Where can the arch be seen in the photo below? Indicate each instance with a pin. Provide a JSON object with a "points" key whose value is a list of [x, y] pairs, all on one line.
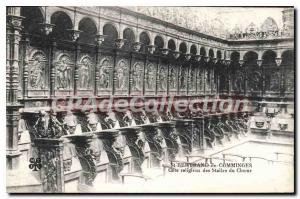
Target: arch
{"points": [[159, 41], [235, 56], [145, 40], [250, 58], [129, 36], [288, 57], [219, 54], [183, 47], [193, 49], [89, 30], [33, 17], [202, 51], [171, 44], [111, 34], [211, 53], [269, 57], [62, 22]]}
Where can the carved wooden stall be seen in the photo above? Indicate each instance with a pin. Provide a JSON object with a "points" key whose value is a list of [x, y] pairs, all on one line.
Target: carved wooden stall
{"points": [[72, 69]]}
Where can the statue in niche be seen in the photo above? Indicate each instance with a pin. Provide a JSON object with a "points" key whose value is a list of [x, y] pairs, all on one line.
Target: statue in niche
{"points": [[162, 78], [37, 71], [105, 74], [200, 83], [207, 79], [84, 73], [137, 77], [182, 79], [63, 73], [121, 75], [150, 77], [192, 79], [255, 81], [172, 79], [275, 81], [290, 81], [239, 81]]}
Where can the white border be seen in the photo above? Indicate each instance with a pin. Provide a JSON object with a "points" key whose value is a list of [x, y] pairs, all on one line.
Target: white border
{"points": [[3, 4]]}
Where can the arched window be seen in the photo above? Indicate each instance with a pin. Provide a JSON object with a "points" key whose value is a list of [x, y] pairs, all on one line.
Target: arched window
{"points": [[171, 45], [129, 37], [193, 49], [89, 30], [145, 40], [159, 43], [62, 23], [269, 58], [250, 58], [33, 18], [111, 35]]}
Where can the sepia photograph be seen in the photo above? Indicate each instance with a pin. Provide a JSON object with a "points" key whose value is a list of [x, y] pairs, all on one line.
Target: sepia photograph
{"points": [[150, 99]]}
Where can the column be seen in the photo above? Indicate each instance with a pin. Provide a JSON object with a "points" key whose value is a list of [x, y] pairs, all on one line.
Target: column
{"points": [[14, 28]]}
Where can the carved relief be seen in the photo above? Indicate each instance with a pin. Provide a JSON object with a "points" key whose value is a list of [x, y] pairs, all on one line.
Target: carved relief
{"points": [[207, 79], [85, 73], [192, 76], [150, 77], [49, 161], [290, 81], [64, 72], [162, 78], [105, 73], [255, 81], [182, 78], [121, 75], [200, 80], [173, 79], [238, 84], [275, 81], [37, 71], [137, 77]]}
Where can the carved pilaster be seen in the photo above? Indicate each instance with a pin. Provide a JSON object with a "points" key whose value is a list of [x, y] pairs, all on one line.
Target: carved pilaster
{"points": [[76, 74], [184, 128], [50, 151], [14, 27], [114, 154], [168, 132], [52, 68], [84, 153], [135, 145], [155, 143], [8, 58]]}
